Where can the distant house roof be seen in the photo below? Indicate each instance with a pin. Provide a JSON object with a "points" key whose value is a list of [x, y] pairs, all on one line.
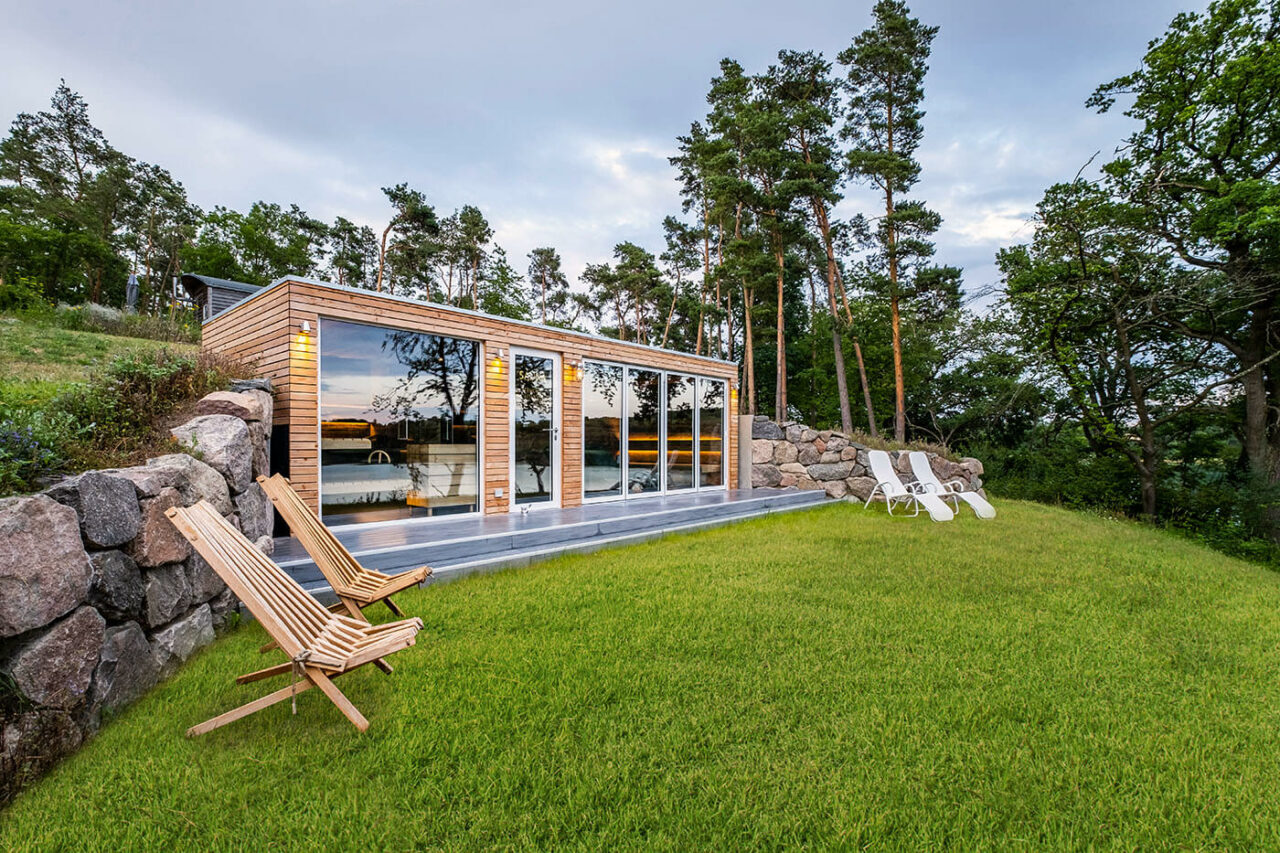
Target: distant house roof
{"points": [[191, 282]]}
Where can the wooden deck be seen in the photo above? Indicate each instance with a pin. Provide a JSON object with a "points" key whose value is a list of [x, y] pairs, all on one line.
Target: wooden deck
{"points": [[474, 543]]}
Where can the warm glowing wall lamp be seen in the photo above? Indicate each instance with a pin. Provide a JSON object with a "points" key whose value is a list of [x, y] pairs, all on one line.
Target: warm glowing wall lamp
{"points": [[495, 364]]}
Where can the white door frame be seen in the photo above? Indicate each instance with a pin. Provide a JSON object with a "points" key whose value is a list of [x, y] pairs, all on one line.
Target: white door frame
{"points": [[557, 487]]}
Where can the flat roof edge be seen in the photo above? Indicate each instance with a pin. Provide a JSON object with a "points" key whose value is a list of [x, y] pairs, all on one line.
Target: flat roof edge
{"points": [[342, 288]]}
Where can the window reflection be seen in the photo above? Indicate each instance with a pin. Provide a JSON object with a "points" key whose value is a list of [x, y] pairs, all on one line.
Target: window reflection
{"points": [[398, 417], [601, 430], [644, 466], [711, 397], [679, 456]]}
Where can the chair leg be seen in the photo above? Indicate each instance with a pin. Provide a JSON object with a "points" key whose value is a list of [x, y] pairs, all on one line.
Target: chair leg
{"points": [[250, 707], [353, 609], [336, 697], [391, 605], [266, 647], [278, 669]]}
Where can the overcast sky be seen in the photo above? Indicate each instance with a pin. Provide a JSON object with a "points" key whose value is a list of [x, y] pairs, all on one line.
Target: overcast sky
{"points": [[556, 119]]}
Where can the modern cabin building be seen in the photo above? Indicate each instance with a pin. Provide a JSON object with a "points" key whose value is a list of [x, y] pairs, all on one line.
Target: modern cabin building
{"points": [[392, 408]]}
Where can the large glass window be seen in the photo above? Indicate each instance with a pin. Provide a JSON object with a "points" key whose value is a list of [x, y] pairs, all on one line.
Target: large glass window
{"points": [[653, 431], [680, 431], [710, 432], [398, 418], [532, 421], [601, 430], [644, 410]]}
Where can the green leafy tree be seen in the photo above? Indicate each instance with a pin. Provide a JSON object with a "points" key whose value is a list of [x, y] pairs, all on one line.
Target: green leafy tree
{"points": [[415, 226], [355, 259], [549, 285], [257, 247], [886, 66], [1202, 167]]}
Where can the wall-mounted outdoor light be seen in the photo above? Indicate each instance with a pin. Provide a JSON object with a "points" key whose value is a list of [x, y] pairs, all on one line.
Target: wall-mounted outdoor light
{"points": [[495, 363], [573, 371], [304, 331]]}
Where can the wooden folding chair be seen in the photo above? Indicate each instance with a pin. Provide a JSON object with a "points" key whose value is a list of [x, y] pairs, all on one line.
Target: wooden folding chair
{"points": [[355, 586], [320, 644]]}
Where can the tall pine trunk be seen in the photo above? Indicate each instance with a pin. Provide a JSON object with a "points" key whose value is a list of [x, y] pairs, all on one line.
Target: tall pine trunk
{"points": [[780, 390]]}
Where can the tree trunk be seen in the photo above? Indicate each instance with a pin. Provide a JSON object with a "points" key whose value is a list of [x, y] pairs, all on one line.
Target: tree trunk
{"points": [[543, 282], [748, 353], [837, 345], [382, 254], [866, 390], [780, 391], [671, 312]]}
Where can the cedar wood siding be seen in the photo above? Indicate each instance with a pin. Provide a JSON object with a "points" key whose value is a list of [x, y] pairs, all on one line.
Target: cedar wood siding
{"points": [[265, 331]]}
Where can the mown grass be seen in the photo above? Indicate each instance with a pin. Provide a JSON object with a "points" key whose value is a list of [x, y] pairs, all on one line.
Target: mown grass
{"points": [[827, 679], [38, 360]]}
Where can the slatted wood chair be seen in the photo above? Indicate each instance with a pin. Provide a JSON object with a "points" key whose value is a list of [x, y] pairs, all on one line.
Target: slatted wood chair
{"points": [[355, 586], [320, 644]]}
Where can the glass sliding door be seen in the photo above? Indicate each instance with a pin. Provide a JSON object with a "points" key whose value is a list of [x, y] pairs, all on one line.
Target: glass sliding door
{"points": [[601, 430], [398, 423], [711, 421], [534, 430], [648, 432], [644, 438], [678, 457]]}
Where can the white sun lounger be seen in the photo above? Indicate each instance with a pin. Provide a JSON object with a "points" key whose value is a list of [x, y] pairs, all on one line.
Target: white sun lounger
{"points": [[952, 490], [895, 493]]}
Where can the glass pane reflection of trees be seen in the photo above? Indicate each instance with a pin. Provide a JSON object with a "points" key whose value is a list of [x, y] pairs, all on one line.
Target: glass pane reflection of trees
{"points": [[601, 430], [680, 426], [534, 412], [398, 417], [624, 407]]}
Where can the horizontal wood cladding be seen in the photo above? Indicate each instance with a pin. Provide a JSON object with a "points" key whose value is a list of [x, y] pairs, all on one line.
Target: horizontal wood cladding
{"points": [[370, 308], [266, 332]]}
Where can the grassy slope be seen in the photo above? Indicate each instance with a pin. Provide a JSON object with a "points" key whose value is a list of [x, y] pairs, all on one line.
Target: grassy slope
{"points": [[828, 678], [36, 360]]}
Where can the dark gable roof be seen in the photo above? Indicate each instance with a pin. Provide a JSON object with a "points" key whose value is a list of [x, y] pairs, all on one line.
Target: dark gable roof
{"points": [[192, 281]]}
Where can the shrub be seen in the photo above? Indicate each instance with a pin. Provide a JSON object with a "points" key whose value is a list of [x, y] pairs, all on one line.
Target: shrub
{"points": [[32, 446], [182, 327], [119, 417], [20, 294]]}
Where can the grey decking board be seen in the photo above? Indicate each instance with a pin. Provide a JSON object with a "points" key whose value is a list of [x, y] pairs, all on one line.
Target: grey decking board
{"points": [[505, 540]]}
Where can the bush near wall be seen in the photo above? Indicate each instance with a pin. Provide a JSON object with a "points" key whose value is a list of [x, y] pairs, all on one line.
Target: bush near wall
{"points": [[101, 597]]}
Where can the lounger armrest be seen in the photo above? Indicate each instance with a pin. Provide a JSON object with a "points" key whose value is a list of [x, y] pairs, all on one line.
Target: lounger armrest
{"points": [[954, 485]]}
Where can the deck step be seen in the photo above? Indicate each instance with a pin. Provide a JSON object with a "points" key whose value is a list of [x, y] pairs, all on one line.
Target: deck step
{"points": [[463, 555]]}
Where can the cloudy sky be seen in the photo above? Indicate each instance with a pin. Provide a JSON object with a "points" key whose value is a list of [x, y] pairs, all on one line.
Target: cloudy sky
{"points": [[556, 119]]}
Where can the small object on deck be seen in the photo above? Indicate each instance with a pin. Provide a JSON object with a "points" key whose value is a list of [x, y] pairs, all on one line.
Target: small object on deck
{"points": [[321, 645]]}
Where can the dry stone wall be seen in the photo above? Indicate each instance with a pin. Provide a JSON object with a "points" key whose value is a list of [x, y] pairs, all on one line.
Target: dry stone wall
{"points": [[101, 598], [792, 455]]}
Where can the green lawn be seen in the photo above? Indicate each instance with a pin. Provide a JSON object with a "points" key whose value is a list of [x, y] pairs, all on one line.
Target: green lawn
{"points": [[37, 360], [829, 678]]}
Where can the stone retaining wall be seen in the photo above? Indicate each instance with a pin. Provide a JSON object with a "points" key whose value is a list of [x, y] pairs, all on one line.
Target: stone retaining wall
{"points": [[793, 455], [101, 598]]}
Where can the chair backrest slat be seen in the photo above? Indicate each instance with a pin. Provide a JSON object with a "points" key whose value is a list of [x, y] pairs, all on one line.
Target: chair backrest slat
{"points": [[882, 470], [924, 471], [292, 617], [334, 561]]}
